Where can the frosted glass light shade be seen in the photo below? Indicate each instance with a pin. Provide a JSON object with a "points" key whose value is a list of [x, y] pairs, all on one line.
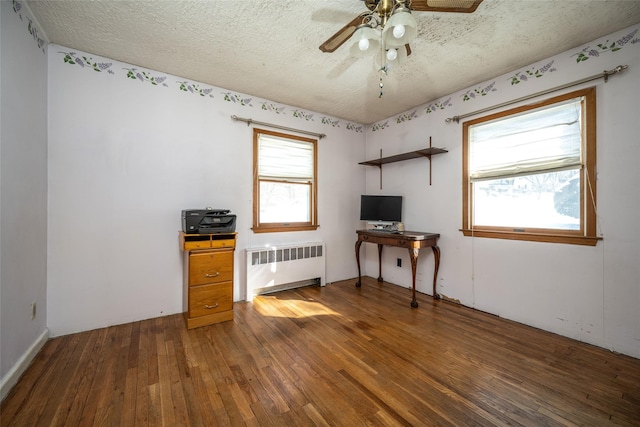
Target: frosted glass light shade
{"points": [[401, 17], [364, 42]]}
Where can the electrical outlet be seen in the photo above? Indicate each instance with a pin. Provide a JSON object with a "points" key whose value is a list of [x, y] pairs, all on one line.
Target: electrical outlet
{"points": [[399, 262], [33, 310]]}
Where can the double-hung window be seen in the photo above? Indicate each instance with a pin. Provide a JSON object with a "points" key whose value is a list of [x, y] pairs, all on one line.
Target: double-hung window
{"points": [[529, 173], [284, 182]]}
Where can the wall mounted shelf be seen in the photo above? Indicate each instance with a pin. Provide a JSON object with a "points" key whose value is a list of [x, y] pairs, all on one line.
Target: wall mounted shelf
{"points": [[425, 152]]}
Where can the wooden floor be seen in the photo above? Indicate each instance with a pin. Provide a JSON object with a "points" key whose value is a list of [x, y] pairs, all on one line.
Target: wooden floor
{"points": [[337, 356]]}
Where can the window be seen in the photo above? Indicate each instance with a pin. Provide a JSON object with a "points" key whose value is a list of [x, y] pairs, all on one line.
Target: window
{"points": [[529, 173], [284, 182]]}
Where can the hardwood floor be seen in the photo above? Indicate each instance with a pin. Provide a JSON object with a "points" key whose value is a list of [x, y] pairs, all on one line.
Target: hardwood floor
{"points": [[337, 356]]}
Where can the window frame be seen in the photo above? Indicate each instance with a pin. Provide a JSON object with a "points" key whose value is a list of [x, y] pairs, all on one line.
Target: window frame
{"points": [[586, 235], [272, 227]]}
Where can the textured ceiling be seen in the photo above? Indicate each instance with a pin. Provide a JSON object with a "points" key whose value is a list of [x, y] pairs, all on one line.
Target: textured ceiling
{"points": [[269, 48]]}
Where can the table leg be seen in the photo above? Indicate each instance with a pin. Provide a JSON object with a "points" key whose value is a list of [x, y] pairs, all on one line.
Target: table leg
{"points": [[379, 262], [358, 244], [413, 254], [436, 257]]}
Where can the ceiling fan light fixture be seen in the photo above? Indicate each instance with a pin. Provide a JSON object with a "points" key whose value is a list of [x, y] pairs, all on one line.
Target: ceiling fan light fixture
{"points": [[365, 41], [400, 29]]}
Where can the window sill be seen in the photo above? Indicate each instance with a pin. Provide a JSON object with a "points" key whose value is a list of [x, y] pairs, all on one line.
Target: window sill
{"points": [[533, 237], [281, 228]]}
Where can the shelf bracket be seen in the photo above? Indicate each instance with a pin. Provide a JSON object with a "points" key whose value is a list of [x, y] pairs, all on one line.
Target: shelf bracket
{"points": [[429, 161], [428, 156], [380, 168]]}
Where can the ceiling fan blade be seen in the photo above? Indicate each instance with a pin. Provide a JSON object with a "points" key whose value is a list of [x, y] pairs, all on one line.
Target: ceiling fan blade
{"points": [[336, 40], [460, 6]]}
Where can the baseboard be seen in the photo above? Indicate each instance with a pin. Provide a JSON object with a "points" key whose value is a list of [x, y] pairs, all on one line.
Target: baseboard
{"points": [[16, 371], [287, 286]]}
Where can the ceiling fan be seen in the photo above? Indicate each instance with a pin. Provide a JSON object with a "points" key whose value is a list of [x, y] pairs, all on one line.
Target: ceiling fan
{"points": [[383, 12]]}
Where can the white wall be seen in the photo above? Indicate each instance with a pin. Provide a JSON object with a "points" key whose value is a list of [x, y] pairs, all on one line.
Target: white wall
{"points": [[126, 156], [23, 192], [588, 293]]}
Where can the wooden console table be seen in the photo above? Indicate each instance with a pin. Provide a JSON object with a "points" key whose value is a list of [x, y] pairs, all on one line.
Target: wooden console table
{"points": [[412, 240]]}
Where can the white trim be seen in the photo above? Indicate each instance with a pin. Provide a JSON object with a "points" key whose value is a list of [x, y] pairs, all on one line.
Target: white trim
{"points": [[16, 371]]}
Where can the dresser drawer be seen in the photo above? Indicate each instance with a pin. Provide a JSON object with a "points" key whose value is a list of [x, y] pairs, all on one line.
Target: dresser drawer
{"points": [[209, 243], [210, 299], [198, 244], [210, 267]]}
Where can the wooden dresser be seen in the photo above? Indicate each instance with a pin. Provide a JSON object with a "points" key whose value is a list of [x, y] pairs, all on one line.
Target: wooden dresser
{"points": [[208, 278]]}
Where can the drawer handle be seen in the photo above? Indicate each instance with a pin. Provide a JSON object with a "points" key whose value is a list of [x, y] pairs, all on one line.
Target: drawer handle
{"points": [[209, 307], [212, 275]]}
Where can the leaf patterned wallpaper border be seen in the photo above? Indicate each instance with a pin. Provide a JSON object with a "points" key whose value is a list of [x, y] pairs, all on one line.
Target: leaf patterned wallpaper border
{"points": [[600, 49], [28, 20], [198, 89], [523, 76], [102, 65]]}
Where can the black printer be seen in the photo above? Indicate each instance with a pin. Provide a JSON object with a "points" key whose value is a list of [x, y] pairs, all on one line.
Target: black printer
{"points": [[208, 221]]}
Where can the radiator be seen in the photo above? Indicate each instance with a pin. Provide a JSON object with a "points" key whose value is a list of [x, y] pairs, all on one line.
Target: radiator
{"points": [[276, 268]]}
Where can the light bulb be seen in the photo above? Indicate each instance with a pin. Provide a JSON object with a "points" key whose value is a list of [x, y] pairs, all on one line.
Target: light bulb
{"points": [[363, 44], [392, 54], [398, 31]]}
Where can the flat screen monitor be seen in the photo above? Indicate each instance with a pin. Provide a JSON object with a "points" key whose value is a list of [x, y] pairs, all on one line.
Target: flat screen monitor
{"points": [[381, 209]]}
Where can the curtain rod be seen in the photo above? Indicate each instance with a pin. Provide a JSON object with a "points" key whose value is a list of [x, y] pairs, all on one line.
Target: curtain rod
{"points": [[250, 122], [604, 75]]}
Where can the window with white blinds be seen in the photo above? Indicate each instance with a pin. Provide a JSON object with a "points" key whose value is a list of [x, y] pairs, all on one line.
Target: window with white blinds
{"points": [[285, 189], [285, 159], [529, 172], [543, 140]]}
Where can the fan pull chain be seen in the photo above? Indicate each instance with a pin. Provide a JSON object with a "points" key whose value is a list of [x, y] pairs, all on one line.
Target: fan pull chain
{"points": [[383, 72]]}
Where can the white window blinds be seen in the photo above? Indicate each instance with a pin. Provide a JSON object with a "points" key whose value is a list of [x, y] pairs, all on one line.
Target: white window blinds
{"points": [[285, 159], [543, 140]]}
